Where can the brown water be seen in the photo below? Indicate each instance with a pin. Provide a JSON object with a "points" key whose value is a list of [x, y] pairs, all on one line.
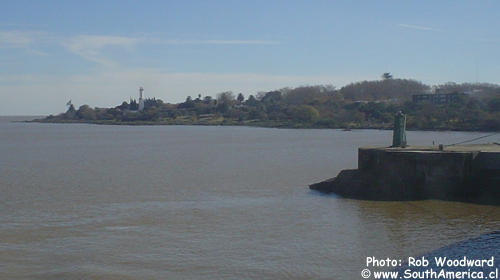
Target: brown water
{"points": [[181, 202]]}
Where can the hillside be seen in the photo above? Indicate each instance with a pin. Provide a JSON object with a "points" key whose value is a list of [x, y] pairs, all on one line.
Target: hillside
{"points": [[366, 104]]}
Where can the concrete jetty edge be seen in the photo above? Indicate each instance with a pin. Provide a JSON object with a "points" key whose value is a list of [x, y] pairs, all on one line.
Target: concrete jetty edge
{"points": [[463, 173]]}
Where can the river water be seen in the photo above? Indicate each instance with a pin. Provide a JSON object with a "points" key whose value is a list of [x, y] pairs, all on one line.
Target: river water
{"points": [[82, 201]]}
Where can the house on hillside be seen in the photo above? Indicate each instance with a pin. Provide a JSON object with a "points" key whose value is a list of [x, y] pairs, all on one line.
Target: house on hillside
{"points": [[436, 98]]}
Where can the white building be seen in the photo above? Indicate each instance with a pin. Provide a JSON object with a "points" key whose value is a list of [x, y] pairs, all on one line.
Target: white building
{"points": [[141, 99]]}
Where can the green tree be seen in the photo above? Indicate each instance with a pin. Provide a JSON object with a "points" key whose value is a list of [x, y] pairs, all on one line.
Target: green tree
{"points": [[189, 103], [207, 99], [386, 76], [86, 113], [494, 105], [71, 112], [398, 90], [123, 106], [133, 105], [240, 97], [252, 101], [304, 113], [224, 101]]}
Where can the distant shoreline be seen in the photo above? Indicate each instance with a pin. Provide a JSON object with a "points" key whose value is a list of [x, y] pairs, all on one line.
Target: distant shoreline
{"points": [[262, 124], [363, 105]]}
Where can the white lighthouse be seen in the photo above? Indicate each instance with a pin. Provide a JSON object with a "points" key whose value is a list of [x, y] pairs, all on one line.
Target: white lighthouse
{"points": [[141, 99]]}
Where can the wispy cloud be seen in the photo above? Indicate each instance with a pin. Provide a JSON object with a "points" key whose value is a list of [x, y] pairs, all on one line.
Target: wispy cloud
{"points": [[37, 52], [419, 27], [90, 46], [26, 40], [488, 40], [221, 42], [17, 38]]}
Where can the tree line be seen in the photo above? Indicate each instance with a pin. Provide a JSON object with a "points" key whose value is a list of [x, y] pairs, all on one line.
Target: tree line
{"points": [[366, 104]]}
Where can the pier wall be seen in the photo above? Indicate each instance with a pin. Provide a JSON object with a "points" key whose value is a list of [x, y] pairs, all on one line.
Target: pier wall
{"points": [[410, 174], [416, 174]]}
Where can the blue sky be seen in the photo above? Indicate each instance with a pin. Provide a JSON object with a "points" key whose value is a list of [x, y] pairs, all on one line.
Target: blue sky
{"points": [[100, 52]]}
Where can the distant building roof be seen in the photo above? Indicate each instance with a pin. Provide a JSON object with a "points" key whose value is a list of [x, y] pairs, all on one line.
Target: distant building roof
{"points": [[436, 98]]}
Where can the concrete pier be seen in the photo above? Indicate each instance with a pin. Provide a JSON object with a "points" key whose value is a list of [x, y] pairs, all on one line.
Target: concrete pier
{"points": [[465, 173]]}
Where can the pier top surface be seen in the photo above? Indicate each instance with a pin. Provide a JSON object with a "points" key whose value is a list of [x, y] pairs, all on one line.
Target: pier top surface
{"points": [[493, 147]]}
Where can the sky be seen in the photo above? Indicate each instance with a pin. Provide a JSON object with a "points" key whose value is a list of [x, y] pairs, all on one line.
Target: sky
{"points": [[100, 52]]}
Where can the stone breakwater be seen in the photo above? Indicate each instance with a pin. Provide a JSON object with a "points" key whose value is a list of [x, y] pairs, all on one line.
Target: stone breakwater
{"points": [[465, 173]]}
